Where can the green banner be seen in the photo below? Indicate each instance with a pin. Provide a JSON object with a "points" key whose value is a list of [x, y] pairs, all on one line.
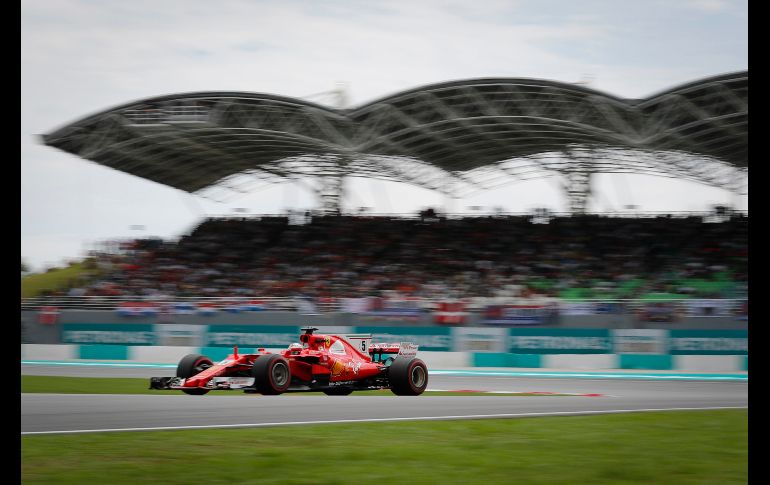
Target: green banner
{"points": [[109, 333], [272, 336], [709, 342], [559, 341], [428, 338]]}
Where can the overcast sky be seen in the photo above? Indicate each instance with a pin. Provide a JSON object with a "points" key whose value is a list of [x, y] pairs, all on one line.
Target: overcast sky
{"points": [[79, 57]]}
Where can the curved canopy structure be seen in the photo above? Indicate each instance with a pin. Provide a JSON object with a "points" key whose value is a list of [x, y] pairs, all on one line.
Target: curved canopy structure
{"points": [[454, 136]]}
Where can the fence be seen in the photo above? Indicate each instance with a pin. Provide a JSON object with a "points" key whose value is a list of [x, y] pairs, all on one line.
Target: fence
{"points": [[495, 310]]}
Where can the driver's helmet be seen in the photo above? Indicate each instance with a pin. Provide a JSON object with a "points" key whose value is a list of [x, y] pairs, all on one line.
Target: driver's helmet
{"points": [[295, 346]]}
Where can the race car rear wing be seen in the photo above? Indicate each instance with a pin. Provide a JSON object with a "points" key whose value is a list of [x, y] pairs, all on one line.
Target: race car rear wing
{"points": [[403, 349], [363, 343]]}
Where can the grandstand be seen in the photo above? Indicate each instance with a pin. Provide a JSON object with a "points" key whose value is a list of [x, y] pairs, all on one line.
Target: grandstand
{"points": [[457, 137]]}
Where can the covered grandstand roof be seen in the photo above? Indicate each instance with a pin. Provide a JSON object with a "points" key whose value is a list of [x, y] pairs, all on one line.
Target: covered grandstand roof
{"points": [[458, 135]]}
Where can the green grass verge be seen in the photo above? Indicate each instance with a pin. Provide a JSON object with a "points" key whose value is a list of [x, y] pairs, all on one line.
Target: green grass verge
{"points": [[132, 385], [693, 447], [90, 385], [56, 279]]}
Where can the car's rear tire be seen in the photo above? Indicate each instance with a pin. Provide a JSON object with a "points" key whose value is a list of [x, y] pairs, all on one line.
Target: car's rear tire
{"points": [[340, 391], [408, 377], [272, 374], [190, 365]]}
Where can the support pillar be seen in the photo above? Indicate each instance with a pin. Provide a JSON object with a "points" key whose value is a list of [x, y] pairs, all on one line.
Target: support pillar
{"points": [[578, 187], [577, 177], [331, 193]]}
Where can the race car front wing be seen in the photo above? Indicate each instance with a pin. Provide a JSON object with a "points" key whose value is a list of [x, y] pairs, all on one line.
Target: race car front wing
{"points": [[216, 383]]}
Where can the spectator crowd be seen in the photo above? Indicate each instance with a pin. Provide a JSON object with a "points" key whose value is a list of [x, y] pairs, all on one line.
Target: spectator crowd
{"points": [[434, 257]]}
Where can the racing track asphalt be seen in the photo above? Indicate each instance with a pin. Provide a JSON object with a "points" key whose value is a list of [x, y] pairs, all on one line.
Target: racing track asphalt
{"points": [[41, 413]]}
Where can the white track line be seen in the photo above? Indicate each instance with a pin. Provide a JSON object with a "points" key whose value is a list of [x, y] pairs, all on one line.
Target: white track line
{"points": [[377, 420]]}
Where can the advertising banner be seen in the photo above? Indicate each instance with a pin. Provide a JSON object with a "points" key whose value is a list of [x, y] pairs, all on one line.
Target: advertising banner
{"points": [[709, 308], [606, 307], [137, 309], [561, 341], [182, 335], [450, 313], [401, 308], [354, 305], [519, 314], [215, 308], [660, 311], [109, 333], [709, 342], [589, 308], [480, 339], [742, 310], [640, 341], [428, 338], [577, 308]]}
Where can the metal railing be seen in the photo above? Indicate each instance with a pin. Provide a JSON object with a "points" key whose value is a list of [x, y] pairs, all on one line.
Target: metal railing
{"points": [[333, 305], [626, 214], [115, 302]]}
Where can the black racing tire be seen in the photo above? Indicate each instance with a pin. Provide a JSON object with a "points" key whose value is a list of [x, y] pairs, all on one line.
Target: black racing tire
{"points": [[272, 374], [338, 391], [190, 365], [408, 377]]}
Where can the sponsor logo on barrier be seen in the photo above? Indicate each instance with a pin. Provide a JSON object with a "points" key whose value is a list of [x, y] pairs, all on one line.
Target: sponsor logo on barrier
{"points": [[560, 343], [251, 339], [106, 337], [699, 344], [564, 341], [480, 339], [640, 341], [503, 340], [180, 334], [106, 333], [709, 342]]}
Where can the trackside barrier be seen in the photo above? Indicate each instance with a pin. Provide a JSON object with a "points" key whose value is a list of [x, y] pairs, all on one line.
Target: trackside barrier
{"points": [[431, 338], [440, 347], [126, 354], [586, 341]]}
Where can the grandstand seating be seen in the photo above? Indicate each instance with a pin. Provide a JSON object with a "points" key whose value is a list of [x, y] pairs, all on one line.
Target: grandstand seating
{"points": [[345, 256]]}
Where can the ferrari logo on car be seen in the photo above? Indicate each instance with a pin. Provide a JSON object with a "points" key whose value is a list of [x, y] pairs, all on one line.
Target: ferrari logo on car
{"points": [[337, 368]]}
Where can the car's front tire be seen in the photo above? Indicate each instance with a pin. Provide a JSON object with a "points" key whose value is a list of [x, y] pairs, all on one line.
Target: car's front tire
{"points": [[272, 374], [190, 365], [408, 377]]}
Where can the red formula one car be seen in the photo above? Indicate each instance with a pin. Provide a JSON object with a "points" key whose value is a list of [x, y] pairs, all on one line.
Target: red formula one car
{"points": [[335, 365]]}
